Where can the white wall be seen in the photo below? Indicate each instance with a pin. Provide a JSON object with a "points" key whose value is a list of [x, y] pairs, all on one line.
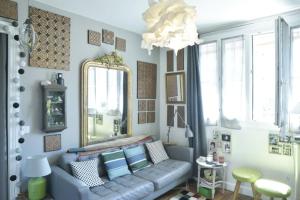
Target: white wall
{"points": [[249, 145], [31, 99]]}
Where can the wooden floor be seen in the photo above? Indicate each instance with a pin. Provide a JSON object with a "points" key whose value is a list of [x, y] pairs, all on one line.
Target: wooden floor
{"points": [[192, 187]]}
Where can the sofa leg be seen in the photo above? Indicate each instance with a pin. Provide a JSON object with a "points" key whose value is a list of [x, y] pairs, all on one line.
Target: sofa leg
{"points": [[187, 185]]}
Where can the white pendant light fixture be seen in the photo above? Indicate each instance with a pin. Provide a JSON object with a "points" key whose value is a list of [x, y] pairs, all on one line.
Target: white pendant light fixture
{"points": [[28, 37], [170, 23]]}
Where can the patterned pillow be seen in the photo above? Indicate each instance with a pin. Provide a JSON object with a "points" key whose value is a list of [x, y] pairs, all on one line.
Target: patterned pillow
{"points": [[136, 158], [115, 164], [87, 171], [157, 151]]}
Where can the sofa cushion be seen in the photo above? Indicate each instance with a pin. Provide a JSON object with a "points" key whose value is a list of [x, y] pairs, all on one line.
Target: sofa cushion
{"points": [[106, 194], [129, 187], [157, 151], [115, 164], [136, 158], [165, 172], [87, 171]]}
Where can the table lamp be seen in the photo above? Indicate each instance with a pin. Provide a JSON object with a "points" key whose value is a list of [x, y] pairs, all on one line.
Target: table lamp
{"points": [[36, 167], [188, 132]]}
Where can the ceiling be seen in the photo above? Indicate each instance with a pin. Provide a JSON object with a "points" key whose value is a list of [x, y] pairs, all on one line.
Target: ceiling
{"points": [[127, 14]]}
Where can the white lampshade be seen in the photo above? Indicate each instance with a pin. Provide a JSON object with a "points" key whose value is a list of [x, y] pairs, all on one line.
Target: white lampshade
{"points": [[37, 166], [188, 132]]}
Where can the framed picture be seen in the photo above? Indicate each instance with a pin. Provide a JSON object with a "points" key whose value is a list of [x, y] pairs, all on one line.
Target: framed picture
{"points": [[52, 143]]}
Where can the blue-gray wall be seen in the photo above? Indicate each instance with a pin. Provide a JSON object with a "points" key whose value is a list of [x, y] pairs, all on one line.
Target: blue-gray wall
{"points": [[31, 99]]}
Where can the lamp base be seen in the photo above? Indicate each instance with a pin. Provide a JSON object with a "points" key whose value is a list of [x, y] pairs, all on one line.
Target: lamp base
{"points": [[37, 188]]}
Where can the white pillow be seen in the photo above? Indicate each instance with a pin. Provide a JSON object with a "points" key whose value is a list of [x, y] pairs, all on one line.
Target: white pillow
{"points": [[157, 151], [87, 171]]}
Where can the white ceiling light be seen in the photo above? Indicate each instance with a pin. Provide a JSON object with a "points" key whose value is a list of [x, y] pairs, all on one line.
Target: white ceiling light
{"points": [[170, 23]]}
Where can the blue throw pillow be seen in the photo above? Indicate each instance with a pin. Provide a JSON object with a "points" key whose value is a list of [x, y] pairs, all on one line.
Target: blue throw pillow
{"points": [[115, 164], [136, 158]]}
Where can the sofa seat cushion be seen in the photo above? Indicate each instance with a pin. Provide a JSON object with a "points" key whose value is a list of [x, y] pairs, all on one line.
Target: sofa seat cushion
{"points": [[129, 187], [165, 172], [106, 194]]}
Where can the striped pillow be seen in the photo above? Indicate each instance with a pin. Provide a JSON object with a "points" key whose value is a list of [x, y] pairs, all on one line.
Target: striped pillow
{"points": [[115, 164], [157, 151], [136, 158]]}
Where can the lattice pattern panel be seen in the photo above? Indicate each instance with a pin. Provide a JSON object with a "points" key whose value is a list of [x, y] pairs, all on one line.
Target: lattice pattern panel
{"points": [[94, 38], [146, 80], [53, 48], [52, 142], [9, 9], [120, 44]]}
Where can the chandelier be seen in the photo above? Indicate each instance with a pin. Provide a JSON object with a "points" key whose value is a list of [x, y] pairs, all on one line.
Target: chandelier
{"points": [[171, 24]]}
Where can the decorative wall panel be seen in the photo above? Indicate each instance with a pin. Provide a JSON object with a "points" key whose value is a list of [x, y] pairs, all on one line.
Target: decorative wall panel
{"points": [[53, 48], [94, 38], [170, 61], [142, 105], [142, 117], [151, 105], [180, 122], [120, 44], [52, 142], [180, 60], [108, 37], [9, 9], [150, 117], [146, 80], [170, 115]]}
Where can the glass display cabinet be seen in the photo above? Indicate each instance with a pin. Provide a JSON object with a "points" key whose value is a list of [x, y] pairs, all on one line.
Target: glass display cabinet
{"points": [[54, 104]]}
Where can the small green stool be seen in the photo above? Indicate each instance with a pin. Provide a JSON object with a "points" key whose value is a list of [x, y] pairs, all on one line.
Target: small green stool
{"points": [[247, 175], [272, 189]]}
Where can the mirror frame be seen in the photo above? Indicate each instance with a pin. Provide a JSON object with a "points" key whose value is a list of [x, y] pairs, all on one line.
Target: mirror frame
{"points": [[184, 90], [84, 100]]}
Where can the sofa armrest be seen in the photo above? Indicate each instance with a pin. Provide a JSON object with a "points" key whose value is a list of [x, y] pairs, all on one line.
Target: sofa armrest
{"points": [[64, 186], [180, 153]]}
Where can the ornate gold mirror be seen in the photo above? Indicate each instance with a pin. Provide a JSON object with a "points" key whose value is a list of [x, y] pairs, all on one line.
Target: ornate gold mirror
{"points": [[106, 97], [175, 87]]}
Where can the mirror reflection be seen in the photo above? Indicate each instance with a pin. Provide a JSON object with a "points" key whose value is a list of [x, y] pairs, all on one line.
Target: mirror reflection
{"points": [[175, 87], [107, 103]]}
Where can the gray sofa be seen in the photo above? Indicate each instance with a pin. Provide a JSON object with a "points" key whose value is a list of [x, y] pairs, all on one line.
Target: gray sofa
{"points": [[146, 184]]}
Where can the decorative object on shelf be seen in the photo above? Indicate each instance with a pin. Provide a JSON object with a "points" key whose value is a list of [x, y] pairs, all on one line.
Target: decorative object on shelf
{"points": [[9, 9], [54, 104], [60, 79], [120, 44], [94, 38], [170, 24], [146, 80], [51, 29], [36, 167], [52, 142], [226, 142], [142, 117], [175, 88], [280, 145], [188, 132], [108, 37], [170, 61], [180, 60], [110, 59]]}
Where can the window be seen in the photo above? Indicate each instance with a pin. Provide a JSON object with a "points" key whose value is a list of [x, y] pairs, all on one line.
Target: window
{"points": [[233, 79], [264, 77], [209, 82], [295, 80]]}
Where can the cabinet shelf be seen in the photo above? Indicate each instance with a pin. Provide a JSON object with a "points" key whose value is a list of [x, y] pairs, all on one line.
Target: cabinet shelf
{"points": [[54, 103]]}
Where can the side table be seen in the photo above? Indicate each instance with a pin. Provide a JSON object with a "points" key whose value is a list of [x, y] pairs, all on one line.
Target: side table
{"points": [[214, 166]]}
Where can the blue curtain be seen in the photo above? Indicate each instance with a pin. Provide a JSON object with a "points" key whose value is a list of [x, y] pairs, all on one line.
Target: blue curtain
{"points": [[194, 103]]}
